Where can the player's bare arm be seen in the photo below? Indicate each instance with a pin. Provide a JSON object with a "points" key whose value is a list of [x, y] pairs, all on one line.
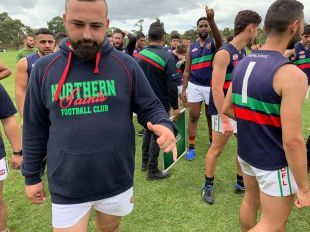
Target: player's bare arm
{"points": [[291, 83], [186, 73], [4, 71], [228, 109], [220, 64], [21, 83], [11, 130], [215, 31]]}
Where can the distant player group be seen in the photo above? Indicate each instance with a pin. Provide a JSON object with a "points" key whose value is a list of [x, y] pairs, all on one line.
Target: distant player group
{"points": [[255, 95]]}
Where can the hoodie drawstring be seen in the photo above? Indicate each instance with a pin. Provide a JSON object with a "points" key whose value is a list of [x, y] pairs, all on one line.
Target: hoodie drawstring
{"points": [[63, 77], [96, 70]]}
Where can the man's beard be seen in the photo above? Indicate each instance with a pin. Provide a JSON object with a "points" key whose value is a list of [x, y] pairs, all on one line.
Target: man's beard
{"points": [[86, 49], [118, 46], [203, 36], [294, 40]]}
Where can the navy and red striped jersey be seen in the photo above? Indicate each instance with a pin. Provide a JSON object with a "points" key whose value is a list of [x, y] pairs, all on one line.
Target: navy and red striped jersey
{"points": [[235, 57], [201, 57], [159, 68], [257, 110], [180, 68], [302, 59]]}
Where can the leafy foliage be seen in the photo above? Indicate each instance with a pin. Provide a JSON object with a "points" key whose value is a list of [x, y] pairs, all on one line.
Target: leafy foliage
{"points": [[56, 25]]}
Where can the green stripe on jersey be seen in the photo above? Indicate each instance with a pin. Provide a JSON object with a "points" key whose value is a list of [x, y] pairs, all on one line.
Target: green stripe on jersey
{"points": [[280, 183], [202, 59], [228, 77], [254, 104], [156, 58], [303, 61]]}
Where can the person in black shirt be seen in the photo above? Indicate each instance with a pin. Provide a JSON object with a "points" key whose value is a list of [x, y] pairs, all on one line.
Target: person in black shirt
{"points": [[160, 70]]}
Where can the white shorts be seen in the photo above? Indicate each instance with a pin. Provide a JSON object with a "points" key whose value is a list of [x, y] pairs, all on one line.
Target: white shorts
{"points": [[217, 124], [277, 183], [197, 93], [180, 89], [4, 170], [64, 216]]}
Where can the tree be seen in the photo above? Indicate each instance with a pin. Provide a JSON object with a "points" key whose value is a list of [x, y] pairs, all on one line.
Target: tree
{"points": [[29, 30], [261, 36], [227, 32], [11, 30], [139, 26], [191, 34], [3, 16], [56, 25]]}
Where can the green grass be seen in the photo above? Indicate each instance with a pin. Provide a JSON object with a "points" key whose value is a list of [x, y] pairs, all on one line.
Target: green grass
{"points": [[174, 204]]}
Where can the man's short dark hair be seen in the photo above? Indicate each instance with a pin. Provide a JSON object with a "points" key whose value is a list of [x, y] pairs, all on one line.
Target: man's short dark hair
{"points": [[174, 35], [306, 30], [280, 14], [156, 32], [230, 38], [88, 1], [244, 18], [43, 31], [59, 36], [118, 31], [140, 35], [200, 19]]}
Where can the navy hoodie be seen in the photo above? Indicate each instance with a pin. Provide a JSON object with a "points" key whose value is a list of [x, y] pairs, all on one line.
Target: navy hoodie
{"points": [[79, 113]]}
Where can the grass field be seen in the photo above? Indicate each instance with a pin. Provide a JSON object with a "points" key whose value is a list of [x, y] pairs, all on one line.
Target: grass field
{"points": [[174, 204]]}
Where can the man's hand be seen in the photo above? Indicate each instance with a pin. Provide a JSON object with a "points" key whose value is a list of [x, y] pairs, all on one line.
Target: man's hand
{"points": [[125, 32], [175, 154], [210, 14], [303, 199], [16, 162], [227, 127], [36, 193], [166, 139], [290, 54]]}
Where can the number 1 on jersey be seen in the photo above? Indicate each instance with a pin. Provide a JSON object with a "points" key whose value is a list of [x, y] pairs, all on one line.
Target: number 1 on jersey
{"points": [[245, 82]]}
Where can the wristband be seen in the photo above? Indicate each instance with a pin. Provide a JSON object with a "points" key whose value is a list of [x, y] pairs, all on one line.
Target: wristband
{"points": [[19, 153]]}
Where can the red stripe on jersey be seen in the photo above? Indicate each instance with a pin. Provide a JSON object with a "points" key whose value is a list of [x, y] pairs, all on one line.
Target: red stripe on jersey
{"points": [[201, 65], [139, 56], [256, 117], [304, 66], [226, 85]]}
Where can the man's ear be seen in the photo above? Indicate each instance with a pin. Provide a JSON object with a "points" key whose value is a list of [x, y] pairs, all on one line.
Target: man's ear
{"points": [[294, 27]]}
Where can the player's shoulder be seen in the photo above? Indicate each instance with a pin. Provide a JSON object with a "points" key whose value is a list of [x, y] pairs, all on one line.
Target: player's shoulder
{"points": [[22, 64], [289, 69], [221, 56], [290, 73]]}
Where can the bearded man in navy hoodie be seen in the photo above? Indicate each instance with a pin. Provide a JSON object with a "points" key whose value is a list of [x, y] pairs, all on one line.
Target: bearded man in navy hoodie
{"points": [[78, 111]]}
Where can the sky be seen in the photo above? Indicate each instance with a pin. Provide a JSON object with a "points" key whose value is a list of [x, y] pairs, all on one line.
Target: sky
{"points": [[179, 15]]}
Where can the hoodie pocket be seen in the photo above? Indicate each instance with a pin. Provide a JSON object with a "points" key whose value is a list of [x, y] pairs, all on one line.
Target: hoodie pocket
{"points": [[92, 172]]}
